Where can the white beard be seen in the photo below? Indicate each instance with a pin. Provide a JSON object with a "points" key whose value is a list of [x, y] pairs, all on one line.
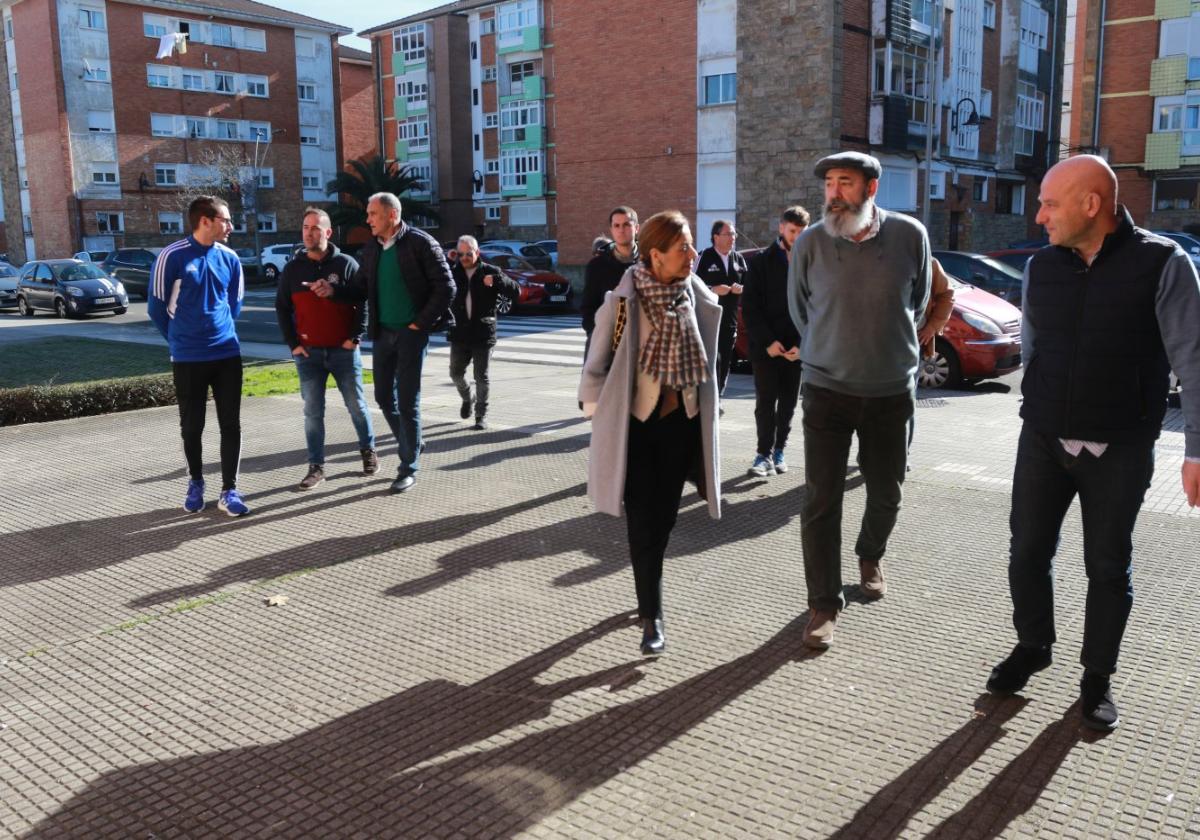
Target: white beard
{"points": [[848, 224]]}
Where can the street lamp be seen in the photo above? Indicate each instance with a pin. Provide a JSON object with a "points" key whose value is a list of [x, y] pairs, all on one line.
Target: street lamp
{"points": [[972, 121], [258, 137]]}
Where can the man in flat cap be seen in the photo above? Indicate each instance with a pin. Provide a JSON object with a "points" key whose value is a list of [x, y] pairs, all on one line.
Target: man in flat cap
{"points": [[858, 283]]}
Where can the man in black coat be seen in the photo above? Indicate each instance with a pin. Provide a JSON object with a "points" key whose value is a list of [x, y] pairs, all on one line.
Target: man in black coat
{"points": [[774, 344], [607, 268], [478, 289], [722, 268], [408, 290]]}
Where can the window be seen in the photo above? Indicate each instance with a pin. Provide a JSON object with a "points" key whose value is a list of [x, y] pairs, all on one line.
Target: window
{"points": [[223, 82], [904, 71], [487, 26], [304, 46], [515, 117], [474, 50], [13, 84], [162, 125], [104, 174], [491, 120], [254, 39], [197, 127], [259, 131], [519, 72], [489, 73], [8, 32], [516, 166], [475, 96], [1177, 194], [989, 13], [266, 179], [937, 186], [416, 94], [193, 81], [266, 223], [307, 91], [100, 121], [256, 85], [922, 15], [153, 30], [1193, 69], [719, 89], [107, 222], [513, 17], [1031, 104], [979, 190], [310, 179], [158, 76], [409, 41], [492, 214], [91, 19], [165, 176], [1010, 197], [985, 103], [491, 167], [239, 221], [477, 146], [96, 71], [227, 130], [415, 132], [221, 35], [170, 222], [310, 135], [1035, 24], [897, 189], [1170, 116]]}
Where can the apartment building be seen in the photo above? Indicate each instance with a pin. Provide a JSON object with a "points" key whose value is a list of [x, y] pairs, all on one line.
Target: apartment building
{"points": [[105, 139], [360, 125], [1136, 101]]}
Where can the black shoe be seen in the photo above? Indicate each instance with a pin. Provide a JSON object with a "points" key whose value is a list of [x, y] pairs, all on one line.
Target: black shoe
{"points": [[403, 483], [1097, 704], [465, 411], [480, 424], [1010, 676], [654, 640]]}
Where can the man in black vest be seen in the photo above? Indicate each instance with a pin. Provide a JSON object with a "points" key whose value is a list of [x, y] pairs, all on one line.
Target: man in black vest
{"points": [[1109, 308], [722, 269], [478, 287]]}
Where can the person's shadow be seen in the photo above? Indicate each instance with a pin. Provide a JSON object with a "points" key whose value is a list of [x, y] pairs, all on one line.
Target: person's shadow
{"points": [[415, 764]]}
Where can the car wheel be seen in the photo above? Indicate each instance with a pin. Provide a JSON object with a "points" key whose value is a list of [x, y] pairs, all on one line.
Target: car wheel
{"points": [[942, 369], [504, 305], [270, 272], [24, 308], [60, 308], [120, 310]]}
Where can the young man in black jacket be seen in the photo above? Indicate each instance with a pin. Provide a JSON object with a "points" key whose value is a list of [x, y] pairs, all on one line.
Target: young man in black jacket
{"points": [[478, 289], [607, 268], [723, 270], [323, 335], [774, 343], [408, 290]]}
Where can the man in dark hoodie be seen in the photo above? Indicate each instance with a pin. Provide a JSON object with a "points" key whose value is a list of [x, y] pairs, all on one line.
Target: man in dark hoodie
{"points": [[478, 288], [324, 336], [607, 268]]}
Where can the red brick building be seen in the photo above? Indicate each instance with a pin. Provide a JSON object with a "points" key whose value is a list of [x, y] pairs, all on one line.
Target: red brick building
{"points": [[109, 141], [360, 123]]}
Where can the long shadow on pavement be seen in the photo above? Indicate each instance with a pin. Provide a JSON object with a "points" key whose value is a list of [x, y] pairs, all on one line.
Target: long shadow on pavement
{"points": [[396, 768]]}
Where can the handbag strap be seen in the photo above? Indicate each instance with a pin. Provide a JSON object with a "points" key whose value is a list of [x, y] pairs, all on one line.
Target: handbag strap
{"points": [[619, 325]]}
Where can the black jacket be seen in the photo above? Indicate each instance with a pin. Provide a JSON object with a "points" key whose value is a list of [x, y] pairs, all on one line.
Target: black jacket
{"points": [[426, 276], [480, 327], [1098, 370], [600, 277], [711, 269], [765, 300], [295, 303]]}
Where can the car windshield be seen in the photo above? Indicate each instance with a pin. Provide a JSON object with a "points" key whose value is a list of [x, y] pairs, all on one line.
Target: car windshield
{"points": [[533, 251], [7, 271], [82, 271], [1001, 267]]}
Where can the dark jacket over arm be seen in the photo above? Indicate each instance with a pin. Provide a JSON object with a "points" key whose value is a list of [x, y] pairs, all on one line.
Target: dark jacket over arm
{"points": [[480, 326], [600, 277], [765, 300]]}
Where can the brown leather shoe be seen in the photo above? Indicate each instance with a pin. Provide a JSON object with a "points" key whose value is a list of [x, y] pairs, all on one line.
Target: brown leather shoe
{"points": [[818, 633], [872, 585]]}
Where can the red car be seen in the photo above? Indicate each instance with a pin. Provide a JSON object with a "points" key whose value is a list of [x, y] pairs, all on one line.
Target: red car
{"points": [[981, 341], [538, 288]]}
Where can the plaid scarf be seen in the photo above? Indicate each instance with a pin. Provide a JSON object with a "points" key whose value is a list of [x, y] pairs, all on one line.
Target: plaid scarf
{"points": [[673, 353]]}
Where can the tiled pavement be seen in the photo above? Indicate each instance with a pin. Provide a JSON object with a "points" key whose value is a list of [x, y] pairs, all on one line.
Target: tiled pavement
{"points": [[458, 662]]}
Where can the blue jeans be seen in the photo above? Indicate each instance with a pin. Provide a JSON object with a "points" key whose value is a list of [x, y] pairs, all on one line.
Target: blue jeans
{"points": [[399, 356], [1110, 489], [314, 371]]}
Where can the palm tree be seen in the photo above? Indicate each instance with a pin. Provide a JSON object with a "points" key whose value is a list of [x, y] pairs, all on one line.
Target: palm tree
{"points": [[361, 179]]}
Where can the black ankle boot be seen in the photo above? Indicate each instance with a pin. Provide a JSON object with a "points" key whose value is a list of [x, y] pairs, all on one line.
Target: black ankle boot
{"points": [[1097, 704], [654, 640]]}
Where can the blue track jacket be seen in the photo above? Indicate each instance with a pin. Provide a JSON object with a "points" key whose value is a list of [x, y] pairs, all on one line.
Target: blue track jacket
{"points": [[195, 297]]}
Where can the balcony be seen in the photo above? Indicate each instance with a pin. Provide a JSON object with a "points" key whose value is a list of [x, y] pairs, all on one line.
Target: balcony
{"points": [[534, 187], [402, 109], [1168, 76], [531, 87], [400, 67], [528, 39], [1163, 150]]}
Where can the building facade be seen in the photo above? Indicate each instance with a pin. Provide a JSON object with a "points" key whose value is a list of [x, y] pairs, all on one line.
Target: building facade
{"points": [[107, 142], [1136, 101], [360, 126]]}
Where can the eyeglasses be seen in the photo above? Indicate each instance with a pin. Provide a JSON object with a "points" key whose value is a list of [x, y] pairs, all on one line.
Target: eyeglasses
{"points": [[222, 219]]}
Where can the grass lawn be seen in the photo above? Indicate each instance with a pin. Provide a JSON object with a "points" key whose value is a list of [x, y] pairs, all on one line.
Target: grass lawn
{"points": [[66, 360]]}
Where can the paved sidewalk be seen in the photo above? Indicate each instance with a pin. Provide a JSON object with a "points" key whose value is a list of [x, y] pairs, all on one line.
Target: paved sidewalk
{"points": [[460, 661]]}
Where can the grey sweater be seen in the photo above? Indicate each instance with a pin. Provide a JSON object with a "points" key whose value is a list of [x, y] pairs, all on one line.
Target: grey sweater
{"points": [[857, 306]]}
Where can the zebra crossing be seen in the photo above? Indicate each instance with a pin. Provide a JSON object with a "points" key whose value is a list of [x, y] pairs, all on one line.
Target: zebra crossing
{"points": [[539, 340]]}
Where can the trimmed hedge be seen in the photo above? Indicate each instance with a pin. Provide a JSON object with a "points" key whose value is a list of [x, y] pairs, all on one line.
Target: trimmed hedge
{"points": [[43, 403]]}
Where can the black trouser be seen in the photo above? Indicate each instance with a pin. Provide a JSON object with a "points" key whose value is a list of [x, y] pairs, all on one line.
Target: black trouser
{"points": [[830, 420], [661, 453], [776, 387], [725, 339], [192, 381], [478, 356]]}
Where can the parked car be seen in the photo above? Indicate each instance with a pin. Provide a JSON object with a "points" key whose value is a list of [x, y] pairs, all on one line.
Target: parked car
{"points": [[8, 286], [1015, 257], [69, 289], [535, 255], [1189, 243], [538, 288], [132, 266], [981, 341], [550, 246], [275, 257], [991, 275], [248, 259], [91, 256]]}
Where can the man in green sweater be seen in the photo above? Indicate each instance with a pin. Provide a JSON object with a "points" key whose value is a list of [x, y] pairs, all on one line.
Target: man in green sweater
{"points": [[857, 288]]}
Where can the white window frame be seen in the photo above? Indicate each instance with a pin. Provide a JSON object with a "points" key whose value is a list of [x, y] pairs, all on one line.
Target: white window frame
{"points": [[266, 178], [489, 73], [1030, 116], [517, 116], [897, 188], [1035, 26], [985, 103], [160, 131], [409, 41], [937, 185], [158, 76], [983, 192], [414, 131], [309, 88], [305, 46], [487, 26], [492, 213], [224, 82], [104, 221], [151, 29], [195, 128], [989, 14], [491, 166], [258, 131], [310, 179], [97, 70], [214, 28], [170, 222], [310, 135], [253, 82], [904, 71], [266, 223], [416, 94], [256, 41], [1018, 200], [491, 120], [191, 80], [105, 174], [103, 122], [516, 16], [224, 126], [422, 172], [726, 89], [516, 165], [166, 175], [91, 19]]}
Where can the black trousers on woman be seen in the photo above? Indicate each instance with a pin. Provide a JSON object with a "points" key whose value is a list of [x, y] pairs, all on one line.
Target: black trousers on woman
{"points": [[661, 453]]}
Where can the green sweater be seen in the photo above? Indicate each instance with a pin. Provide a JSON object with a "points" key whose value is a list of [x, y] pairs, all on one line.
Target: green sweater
{"points": [[857, 306], [396, 309]]}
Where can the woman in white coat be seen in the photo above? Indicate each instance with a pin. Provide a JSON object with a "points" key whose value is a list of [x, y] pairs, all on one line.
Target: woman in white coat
{"points": [[649, 385]]}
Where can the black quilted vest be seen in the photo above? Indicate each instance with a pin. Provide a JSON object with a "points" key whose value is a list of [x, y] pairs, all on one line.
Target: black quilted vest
{"points": [[1099, 369]]}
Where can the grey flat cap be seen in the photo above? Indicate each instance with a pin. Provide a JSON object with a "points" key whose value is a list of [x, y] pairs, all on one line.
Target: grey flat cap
{"points": [[868, 165]]}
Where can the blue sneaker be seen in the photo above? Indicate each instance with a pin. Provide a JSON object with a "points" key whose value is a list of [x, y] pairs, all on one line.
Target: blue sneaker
{"points": [[194, 503], [777, 460], [231, 502], [762, 466]]}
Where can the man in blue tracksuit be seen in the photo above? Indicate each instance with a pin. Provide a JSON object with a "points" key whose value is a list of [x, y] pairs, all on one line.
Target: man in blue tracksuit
{"points": [[195, 296]]}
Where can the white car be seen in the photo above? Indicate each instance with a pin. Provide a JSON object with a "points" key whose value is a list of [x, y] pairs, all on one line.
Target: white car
{"points": [[275, 257]]}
